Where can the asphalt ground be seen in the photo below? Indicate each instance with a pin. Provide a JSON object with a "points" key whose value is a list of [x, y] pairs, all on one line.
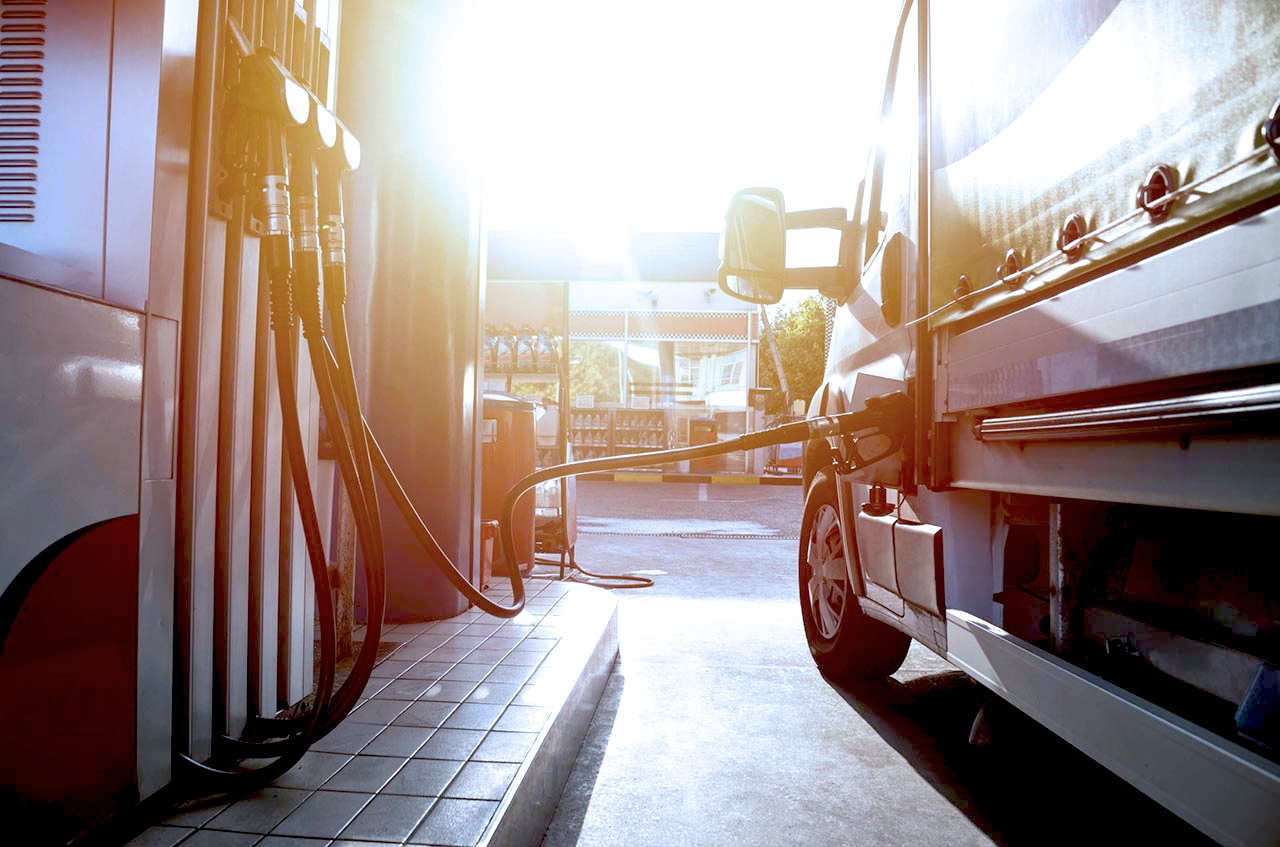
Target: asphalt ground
{"points": [[717, 729]]}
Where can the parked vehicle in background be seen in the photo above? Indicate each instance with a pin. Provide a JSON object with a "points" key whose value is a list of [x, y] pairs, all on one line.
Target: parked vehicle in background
{"points": [[1065, 252]]}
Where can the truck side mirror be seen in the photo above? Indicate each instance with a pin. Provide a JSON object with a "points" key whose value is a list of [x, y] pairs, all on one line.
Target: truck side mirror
{"points": [[753, 246], [753, 249]]}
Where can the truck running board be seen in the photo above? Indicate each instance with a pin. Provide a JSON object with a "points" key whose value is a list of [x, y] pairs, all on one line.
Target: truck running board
{"points": [[1229, 793]]}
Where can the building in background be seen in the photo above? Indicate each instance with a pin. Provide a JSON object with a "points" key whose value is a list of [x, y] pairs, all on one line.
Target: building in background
{"points": [[652, 341]]}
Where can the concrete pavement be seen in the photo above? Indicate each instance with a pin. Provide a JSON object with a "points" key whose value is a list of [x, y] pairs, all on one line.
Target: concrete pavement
{"points": [[716, 729]]}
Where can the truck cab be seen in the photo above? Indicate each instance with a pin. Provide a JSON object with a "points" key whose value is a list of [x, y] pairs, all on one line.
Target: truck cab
{"points": [[1063, 252]]}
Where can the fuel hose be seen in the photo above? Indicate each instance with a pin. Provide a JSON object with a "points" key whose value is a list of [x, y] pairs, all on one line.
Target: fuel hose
{"points": [[888, 415]]}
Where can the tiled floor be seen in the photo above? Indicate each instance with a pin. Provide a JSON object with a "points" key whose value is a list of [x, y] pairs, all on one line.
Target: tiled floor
{"points": [[439, 748]]}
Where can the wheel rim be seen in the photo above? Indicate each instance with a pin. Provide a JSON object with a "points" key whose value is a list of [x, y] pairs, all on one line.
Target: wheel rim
{"points": [[828, 579]]}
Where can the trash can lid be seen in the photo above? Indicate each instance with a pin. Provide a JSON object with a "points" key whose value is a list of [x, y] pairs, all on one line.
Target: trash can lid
{"points": [[499, 401]]}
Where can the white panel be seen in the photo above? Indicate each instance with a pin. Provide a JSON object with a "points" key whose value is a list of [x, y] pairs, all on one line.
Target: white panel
{"points": [[70, 424], [1203, 306], [201, 488], [1214, 472], [1224, 790], [155, 635], [160, 398]]}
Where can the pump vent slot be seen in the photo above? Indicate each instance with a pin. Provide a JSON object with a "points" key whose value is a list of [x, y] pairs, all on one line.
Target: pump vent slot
{"points": [[23, 31]]}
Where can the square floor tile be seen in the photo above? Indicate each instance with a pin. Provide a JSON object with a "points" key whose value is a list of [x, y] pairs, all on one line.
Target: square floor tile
{"points": [[398, 741], [447, 628], [451, 691], [294, 841], [504, 747], [413, 651], [161, 836], [509, 673], [390, 669], [524, 658], [497, 693], [365, 774], [428, 670], [381, 712], [259, 811], [484, 657], [523, 719], [469, 641], [373, 686], [541, 694], [483, 629], [450, 744], [214, 838], [426, 713], [403, 689], [313, 769], [449, 654], [323, 815], [455, 823], [424, 777], [396, 635], [466, 672], [199, 811], [389, 818], [482, 781], [499, 642], [512, 630], [348, 737], [538, 644], [475, 716]]}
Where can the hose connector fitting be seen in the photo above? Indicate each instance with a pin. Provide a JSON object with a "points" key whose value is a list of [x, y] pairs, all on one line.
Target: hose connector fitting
{"points": [[275, 204]]}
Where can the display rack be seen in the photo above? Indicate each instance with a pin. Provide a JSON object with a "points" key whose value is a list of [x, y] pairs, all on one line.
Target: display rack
{"points": [[610, 432]]}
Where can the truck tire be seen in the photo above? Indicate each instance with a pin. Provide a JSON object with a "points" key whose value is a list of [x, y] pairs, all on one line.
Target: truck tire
{"points": [[844, 641]]}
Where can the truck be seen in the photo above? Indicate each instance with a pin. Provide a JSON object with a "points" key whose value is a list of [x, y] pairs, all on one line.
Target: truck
{"points": [[1063, 257]]}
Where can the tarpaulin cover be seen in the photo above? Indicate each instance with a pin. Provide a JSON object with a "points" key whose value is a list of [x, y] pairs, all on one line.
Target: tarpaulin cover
{"points": [[1044, 108]]}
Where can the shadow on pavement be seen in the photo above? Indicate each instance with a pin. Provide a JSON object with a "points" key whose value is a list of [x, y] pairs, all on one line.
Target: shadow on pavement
{"points": [[1027, 787]]}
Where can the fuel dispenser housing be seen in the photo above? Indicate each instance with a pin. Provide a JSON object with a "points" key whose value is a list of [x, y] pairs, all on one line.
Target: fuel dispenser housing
{"points": [[415, 270]]}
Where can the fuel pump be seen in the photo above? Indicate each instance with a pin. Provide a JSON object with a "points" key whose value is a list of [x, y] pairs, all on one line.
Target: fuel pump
{"points": [[293, 153]]}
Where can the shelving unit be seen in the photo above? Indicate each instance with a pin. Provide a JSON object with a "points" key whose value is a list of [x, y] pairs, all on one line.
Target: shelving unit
{"points": [[610, 432]]}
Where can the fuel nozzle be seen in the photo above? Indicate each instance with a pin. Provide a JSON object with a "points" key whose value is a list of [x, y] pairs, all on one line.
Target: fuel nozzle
{"points": [[279, 104], [342, 156], [873, 433], [307, 142]]}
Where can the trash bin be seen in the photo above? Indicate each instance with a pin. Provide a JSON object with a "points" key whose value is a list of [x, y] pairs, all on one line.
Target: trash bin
{"points": [[703, 431], [507, 453]]}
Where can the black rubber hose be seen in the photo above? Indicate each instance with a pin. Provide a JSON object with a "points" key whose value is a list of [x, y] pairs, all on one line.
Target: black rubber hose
{"points": [[364, 505], [890, 413], [291, 749], [428, 542], [369, 535]]}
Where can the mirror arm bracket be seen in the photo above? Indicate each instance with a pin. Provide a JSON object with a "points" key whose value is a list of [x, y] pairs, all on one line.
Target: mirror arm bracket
{"points": [[833, 218]]}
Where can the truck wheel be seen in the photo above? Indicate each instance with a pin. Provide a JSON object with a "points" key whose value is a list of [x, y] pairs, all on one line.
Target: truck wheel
{"points": [[844, 642]]}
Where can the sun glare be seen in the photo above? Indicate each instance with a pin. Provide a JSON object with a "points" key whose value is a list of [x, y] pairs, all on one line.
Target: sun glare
{"points": [[601, 117]]}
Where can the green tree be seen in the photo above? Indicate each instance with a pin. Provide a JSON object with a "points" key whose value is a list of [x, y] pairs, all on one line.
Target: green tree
{"points": [[593, 369], [799, 332]]}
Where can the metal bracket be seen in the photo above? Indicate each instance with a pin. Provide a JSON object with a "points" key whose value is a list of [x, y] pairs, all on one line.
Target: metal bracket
{"points": [[1160, 181]]}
